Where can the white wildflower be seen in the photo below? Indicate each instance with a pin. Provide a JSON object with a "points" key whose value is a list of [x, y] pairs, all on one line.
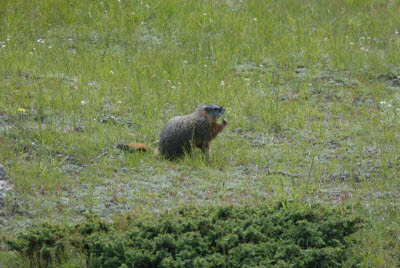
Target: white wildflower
{"points": [[222, 83], [204, 14], [383, 102], [351, 43], [205, 65], [83, 102], [111, 72], [326, 38], [255, 19], [173, 87], [50, 46], [185, 61], [147, 6], [310, 84], [247, 79]]}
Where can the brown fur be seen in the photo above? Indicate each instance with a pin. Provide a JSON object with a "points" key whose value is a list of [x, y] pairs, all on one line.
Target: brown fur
{"points": [[181, 133], [133, 147]]}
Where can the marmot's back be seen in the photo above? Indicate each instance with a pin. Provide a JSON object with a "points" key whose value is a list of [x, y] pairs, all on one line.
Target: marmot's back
{"points": [[181, 133]]}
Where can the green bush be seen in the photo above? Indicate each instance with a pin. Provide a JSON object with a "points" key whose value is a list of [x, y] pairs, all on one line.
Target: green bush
{"points": [[203, 237], [42, 246]]}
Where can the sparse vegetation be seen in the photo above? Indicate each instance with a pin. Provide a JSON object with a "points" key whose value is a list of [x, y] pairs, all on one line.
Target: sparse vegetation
{"points": [[311, 89]]}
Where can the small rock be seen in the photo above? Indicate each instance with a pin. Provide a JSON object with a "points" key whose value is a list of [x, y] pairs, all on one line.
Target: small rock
{"points": [[2, 172], [396, 82]]}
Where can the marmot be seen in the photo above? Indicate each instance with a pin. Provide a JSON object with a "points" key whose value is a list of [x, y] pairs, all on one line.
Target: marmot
{"points": [[181, 133]]}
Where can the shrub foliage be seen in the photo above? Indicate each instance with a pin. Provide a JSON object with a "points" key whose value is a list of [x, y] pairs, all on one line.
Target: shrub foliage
{"points": [[201, 237]]}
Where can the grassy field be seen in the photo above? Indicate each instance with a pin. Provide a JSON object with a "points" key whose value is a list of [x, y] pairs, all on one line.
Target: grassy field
{"points": [[312, 91]]}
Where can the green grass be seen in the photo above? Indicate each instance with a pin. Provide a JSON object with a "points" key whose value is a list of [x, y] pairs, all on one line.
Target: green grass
{"points": [[311, 89]]}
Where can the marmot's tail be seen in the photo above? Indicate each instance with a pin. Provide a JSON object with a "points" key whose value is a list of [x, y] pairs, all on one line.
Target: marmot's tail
{"points": [[133, 147]]}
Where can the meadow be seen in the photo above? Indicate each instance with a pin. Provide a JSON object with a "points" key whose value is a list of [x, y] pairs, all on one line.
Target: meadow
{"points": [[312, 97]]}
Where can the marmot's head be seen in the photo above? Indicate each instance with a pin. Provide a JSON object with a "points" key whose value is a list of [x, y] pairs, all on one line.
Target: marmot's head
{"points": [[213, 110]]}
